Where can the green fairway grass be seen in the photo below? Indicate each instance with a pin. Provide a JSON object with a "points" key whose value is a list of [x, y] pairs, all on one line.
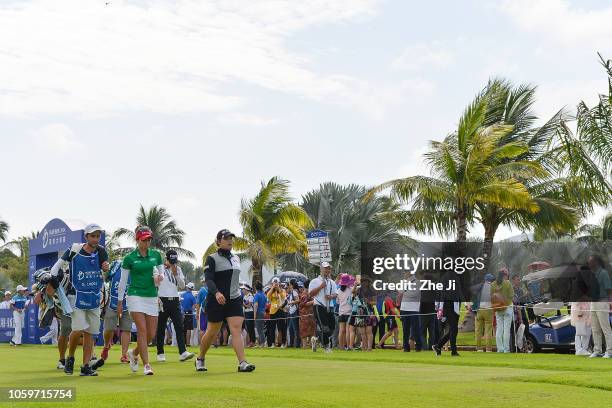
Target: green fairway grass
{"points": [[301, 378]]}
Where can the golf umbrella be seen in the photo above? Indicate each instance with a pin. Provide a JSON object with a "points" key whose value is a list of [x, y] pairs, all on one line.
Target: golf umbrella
{"points": [[558, 272], [538, 266], [285, 277]]}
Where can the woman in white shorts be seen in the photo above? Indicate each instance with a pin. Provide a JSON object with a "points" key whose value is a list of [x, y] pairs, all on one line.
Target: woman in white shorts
{"points": [[144, 267]]}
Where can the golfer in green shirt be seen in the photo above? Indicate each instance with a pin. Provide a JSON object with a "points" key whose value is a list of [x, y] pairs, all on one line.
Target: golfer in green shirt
{"points": [[144, 266]]}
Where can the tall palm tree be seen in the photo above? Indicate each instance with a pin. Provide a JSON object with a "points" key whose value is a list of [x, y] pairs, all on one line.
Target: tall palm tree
{"points": [[586, 154], [4, 229], [350, 220], [513, 106], [166, 233], [271, 225], [468, 167], [594, 125]]}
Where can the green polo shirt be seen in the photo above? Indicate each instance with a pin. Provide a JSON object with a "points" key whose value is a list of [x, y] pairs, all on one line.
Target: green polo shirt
{"points": [[141, 272]]}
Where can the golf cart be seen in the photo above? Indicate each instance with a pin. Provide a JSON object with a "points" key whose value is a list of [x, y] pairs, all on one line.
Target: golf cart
{"points": [[552, 332], [558, 284]]}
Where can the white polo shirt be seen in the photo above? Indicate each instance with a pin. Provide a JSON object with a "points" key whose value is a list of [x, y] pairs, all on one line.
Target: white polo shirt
{"points": [[170, 285], [330, 289], [411, 299]]}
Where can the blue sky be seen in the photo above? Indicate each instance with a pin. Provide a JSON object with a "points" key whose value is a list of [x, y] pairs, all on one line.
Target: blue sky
{"points": [[190, 104]]}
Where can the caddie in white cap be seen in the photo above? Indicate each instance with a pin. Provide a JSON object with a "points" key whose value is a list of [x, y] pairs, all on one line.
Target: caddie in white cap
{"points": [[84, 263]]}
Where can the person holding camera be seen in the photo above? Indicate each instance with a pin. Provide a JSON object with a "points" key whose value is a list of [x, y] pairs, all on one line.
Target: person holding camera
{"points": [[277, 298], [323, 290], [171, 307]]}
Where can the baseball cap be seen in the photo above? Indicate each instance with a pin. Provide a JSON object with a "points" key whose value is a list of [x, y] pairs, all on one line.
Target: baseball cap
{"points": [[300, 284], [92, 228], [143, 233], [19, 287], [172, 256], [8, 292], [489, 277], [224, 233], [325, 265], [275, 280], [190, 285]]}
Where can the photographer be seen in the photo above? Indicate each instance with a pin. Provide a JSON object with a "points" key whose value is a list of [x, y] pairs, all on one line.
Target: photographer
{"points": [[323, 290], [171, 308], [278, 300]]}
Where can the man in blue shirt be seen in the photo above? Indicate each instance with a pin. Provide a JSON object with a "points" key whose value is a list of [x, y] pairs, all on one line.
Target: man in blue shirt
{"points": [[201, 308], [18, 303], [259, 306], [188, 301]]}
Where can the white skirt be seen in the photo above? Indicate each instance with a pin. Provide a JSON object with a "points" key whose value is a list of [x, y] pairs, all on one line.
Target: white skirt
{"points": [[146, 305]]}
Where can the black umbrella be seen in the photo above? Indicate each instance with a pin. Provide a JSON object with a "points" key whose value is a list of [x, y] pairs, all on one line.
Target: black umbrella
{"points": [[285, 277]]}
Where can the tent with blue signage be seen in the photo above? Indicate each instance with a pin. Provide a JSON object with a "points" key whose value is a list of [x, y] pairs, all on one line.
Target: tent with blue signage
{"points": [[53, 240]]}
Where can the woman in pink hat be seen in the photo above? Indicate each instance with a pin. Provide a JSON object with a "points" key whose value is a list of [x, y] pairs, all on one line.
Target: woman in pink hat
{"points": [[345, 307]]}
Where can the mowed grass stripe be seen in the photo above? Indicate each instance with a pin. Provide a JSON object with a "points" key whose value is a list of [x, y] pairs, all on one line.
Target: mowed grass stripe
{"points": [[301, 378]]}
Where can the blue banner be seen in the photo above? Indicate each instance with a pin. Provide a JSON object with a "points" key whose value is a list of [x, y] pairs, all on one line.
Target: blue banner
{"points": [[7, 325]]}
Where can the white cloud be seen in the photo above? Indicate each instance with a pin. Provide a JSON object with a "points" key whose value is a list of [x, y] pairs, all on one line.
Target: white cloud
{"points": [[561, 23], [57, 138], [555, 95], [415, 166], [375, 100], [248, 119], [183, 203], [423, 56], [166, 57]]}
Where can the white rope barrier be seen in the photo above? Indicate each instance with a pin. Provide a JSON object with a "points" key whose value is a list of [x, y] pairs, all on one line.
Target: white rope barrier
{"points": [[495, 309]]}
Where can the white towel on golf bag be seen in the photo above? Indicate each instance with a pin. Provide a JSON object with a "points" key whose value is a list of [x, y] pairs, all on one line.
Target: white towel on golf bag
{"points": [[520, 336]]}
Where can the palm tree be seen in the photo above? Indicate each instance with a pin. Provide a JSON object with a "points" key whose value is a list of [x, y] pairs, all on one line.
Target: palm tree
{"points": [[468, 167], [4, 229], [587, 154], [166, 234], [350, 221], [271, 225], [594, 126], [593, 233], [113, 247], [21, 244], [513, 106]]}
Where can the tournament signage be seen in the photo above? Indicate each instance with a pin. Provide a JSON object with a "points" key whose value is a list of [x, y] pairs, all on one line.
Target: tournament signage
{"points": [[318, 247], [54, 238]]}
